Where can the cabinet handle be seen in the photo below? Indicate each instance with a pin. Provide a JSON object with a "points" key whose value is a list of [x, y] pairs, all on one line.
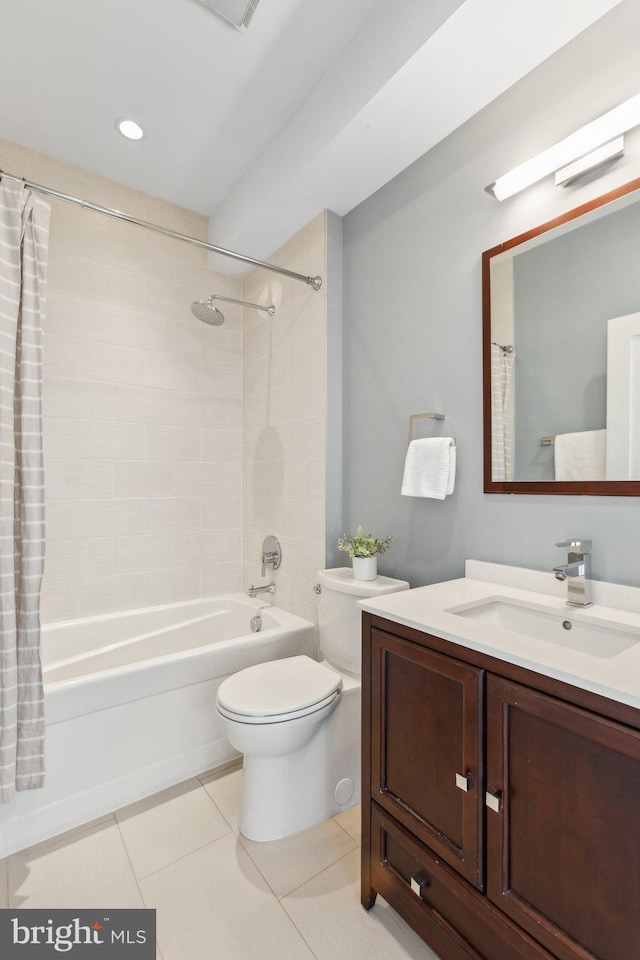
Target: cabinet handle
{"points": [[464, 783], [493, 801], [419, 883]]}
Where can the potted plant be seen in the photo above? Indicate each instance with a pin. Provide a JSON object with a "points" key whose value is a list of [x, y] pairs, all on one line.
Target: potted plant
{"points": [[363, 550]]}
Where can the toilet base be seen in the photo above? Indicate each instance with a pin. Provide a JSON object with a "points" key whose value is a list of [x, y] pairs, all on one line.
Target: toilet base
{"points": [[284, 795]]}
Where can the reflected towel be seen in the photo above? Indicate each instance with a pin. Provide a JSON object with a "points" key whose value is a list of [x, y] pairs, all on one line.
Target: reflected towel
{"points": [[430, 468], [580, 456]]}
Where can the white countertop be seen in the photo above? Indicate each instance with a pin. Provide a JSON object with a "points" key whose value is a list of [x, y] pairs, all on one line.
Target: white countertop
{"points": [[427, 608]]}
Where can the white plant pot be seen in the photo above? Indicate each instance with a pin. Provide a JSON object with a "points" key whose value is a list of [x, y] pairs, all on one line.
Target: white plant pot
{"points": [[365, 568]]}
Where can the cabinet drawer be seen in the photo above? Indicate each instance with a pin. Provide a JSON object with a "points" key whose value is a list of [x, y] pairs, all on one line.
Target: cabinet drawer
{"points": [[453, 918]]}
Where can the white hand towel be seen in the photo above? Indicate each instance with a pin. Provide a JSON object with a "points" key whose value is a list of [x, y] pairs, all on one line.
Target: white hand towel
{"points": [[580, 456], [430, 468]]}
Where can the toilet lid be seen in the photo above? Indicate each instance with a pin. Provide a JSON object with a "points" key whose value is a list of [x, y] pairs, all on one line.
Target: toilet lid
{"points": [[278, 687]]}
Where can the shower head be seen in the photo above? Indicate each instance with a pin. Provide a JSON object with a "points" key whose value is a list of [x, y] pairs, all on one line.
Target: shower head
{"points": [[211, 315], [207, 313]]}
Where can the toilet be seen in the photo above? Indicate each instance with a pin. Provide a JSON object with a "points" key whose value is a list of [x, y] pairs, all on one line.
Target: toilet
{"points": [[297, 721]]}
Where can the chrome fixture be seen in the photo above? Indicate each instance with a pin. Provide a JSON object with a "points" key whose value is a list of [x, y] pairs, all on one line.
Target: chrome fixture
{"points": [[599, 142], [207, 313], [256, 623], [265, 588], [315, 282], [577, 572], [271, 554]]}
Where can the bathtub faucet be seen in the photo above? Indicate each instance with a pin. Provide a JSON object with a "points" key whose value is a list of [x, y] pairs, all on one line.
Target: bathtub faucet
{"points": [[266, 588]]}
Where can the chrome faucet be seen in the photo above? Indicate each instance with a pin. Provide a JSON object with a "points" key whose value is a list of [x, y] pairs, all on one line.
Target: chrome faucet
{"points": [[577, 572], [265, 588]]}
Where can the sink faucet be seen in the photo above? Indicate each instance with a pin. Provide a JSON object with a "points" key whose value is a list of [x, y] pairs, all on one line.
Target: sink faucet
{"points": [[577, 572], [265, 588]]}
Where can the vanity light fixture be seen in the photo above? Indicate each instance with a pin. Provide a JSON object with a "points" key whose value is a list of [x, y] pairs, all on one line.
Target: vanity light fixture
{"points": [[596, 143], [130, 129]]}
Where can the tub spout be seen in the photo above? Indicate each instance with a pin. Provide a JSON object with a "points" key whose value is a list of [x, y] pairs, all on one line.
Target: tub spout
{"points": [[265, 588]]}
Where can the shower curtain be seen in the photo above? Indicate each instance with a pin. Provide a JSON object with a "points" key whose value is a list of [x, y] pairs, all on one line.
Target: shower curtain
{"points": [[24, 223], [501, 413]]}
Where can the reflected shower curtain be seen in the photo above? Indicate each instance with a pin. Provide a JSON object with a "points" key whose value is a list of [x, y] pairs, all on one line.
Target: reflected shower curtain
{"points": [[501, 413], [24, 223]]}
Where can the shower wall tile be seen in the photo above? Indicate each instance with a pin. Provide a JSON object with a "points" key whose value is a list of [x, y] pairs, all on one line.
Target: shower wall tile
{"points": [[70, 479], [100, 595], [110, 363], [110, 517], [62, 519], [142, 553], [173, 515], [98, 439], [284, 424], [142, 478], [171, 443], [173, 447], [141, 405], [172, 586]]}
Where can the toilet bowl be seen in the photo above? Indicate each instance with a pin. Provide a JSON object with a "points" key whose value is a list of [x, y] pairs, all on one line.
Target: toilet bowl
{"points": [[297, 721]]}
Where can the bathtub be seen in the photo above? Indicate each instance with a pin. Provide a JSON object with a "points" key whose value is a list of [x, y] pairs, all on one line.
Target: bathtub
{"points": [[130, 705]]}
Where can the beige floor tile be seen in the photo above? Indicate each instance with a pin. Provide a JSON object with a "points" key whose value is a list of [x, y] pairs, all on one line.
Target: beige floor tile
{"points": [[89, 869], [215, 898], [286, 864], [328, 913], [169, 825], [226, 793], [4, 884], [350, 820]]}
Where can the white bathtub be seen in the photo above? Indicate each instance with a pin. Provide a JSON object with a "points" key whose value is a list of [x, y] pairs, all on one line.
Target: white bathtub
{"points": [[130, 705]]}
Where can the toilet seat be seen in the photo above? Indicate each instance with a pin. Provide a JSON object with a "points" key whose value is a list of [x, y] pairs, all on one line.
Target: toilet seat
{"points": [[278, 691]]}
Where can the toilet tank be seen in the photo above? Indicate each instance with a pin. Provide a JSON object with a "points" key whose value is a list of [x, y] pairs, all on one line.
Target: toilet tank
{"points": [[341, 617]]}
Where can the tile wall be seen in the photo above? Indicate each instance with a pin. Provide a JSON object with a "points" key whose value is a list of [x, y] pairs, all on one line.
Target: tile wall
{"points": [[284, 420], [142, 406]]}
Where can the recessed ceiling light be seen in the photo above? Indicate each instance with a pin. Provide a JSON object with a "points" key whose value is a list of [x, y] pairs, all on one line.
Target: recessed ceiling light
{"points": [[130, 129]]}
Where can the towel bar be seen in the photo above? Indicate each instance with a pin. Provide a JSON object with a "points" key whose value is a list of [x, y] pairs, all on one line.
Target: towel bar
{"points": [[420, 416]]}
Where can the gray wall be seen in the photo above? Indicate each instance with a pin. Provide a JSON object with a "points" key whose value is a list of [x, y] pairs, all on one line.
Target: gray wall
{"points": [[412, 323], [565, 291]]}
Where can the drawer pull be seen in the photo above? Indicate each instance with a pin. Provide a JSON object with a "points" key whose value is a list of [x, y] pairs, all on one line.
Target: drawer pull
{"points": [[493, 801], [464, 783], [418, 884]]}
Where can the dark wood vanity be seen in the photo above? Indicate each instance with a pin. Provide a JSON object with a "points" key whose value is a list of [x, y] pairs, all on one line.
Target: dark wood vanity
{"points": [[500, 806]]}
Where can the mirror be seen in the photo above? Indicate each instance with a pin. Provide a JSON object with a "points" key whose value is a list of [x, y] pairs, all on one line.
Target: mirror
{"points": [[561, 353]]}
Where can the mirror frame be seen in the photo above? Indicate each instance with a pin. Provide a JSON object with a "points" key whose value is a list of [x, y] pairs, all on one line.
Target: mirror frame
{"points": [[604, 488]]}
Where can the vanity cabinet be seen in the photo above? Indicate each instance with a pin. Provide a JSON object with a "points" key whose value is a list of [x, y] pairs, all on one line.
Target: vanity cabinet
{"points": [[502, 817]]}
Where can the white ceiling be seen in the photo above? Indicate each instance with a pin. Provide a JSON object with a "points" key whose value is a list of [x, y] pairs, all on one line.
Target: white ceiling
{"points": [[316, 105]]}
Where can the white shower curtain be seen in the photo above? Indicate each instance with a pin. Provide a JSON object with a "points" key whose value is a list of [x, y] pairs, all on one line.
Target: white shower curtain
{"points": [[24, 228], [501, 413]]}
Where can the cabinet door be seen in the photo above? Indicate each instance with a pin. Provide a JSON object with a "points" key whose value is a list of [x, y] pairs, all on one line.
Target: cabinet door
{"points": [[426, 748], [563, 854]]}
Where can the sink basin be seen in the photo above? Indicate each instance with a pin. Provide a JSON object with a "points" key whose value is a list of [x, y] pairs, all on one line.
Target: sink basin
{"points": [[564, 628]]}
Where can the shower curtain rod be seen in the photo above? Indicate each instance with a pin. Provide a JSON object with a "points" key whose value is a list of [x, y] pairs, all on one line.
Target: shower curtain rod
{"points": [[315, 282]]}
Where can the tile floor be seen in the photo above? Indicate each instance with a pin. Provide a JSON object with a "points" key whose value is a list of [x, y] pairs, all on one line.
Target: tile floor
{"points": [[217, 895]]}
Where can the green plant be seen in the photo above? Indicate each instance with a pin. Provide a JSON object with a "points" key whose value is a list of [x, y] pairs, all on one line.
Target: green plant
{"points": [[361, 544]]}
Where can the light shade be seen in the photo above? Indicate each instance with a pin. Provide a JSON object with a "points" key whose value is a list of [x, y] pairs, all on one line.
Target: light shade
{"points": [[130, 129], [611, 150], [622, 118]]}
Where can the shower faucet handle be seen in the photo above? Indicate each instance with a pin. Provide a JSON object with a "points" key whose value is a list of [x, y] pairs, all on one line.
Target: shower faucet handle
{"points": [[271, 554]]}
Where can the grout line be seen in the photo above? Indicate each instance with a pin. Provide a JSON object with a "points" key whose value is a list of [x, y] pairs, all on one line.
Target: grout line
{"points": [[320, 872], [137, 883], [184, 856]]}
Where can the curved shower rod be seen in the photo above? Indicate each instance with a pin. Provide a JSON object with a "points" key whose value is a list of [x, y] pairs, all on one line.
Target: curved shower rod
{"points": [[315, 282]]}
